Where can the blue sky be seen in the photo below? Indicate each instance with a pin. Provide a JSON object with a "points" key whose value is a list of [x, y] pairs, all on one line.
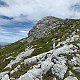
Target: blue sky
{"points": [[18, 16], [13, 30]]}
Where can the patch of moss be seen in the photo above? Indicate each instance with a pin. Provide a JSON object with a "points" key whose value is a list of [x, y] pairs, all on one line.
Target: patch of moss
{"points": [[22, 70], [48, 76]]}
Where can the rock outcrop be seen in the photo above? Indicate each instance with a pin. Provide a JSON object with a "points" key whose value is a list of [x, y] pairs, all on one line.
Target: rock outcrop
{"points": [[44, 27], [50, 52]]}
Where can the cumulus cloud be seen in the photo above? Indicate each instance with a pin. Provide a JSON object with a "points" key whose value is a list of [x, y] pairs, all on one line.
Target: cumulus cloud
{"points": [[14, 12], [12, 34], [36, 9], [3, 4], [4, 21], [24, 31]]}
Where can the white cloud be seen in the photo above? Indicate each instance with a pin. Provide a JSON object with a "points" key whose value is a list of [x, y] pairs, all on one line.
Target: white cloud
{"points": [[9, 39], [4, 31], [36, 9], [4, 21], [24, 31], [23, 10], [12, 36]]}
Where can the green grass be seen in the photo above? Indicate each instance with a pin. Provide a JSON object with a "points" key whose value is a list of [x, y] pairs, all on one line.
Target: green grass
{"points": [[22, 70], [68, 56], [75, 73], [48, 76], [10, 50]]}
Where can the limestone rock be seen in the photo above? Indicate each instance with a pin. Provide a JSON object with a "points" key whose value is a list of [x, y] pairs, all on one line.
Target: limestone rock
{"points": [[71, 78], [6, 77]]}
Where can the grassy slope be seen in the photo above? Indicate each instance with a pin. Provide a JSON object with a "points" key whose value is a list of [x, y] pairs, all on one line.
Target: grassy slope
{"points": [[42, 45], [10, 50]]}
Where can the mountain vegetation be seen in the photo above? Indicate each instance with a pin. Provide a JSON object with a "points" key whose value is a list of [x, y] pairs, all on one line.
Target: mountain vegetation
{"points": [[50, 52]]}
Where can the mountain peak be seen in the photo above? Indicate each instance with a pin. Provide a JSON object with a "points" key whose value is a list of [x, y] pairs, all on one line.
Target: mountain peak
{"points": [[50, 52], [49, 17], [44, 27]]}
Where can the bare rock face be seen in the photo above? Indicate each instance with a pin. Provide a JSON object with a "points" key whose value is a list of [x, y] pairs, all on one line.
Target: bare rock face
{"points": [[6, 77], [71, 78], [59, 69], [44, 27], [2, 74]]}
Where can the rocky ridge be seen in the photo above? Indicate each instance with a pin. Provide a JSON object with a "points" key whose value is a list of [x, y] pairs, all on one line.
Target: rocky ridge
{"points": [[51, 52], [44, 27]]}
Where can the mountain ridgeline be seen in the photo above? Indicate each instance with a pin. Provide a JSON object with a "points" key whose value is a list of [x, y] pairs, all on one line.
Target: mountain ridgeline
{"points": [[49, 24], [50, 52]]}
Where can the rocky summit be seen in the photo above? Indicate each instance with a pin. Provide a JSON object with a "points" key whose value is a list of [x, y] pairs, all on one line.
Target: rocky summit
{"points": [[50, 52], [44, 27]]}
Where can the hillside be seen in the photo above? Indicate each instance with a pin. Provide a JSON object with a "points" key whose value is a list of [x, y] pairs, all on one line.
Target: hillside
{"points": [[50, 52]]}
